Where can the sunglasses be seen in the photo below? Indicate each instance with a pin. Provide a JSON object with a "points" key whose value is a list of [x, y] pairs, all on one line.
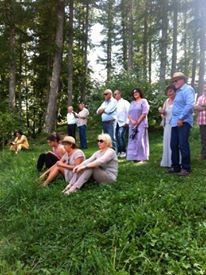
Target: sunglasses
{"points": [[175, 81], [105, 94], [100, 140]]}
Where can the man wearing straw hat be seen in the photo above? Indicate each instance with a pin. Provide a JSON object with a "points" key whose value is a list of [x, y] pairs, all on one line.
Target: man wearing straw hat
{"points": [[181, 122]]}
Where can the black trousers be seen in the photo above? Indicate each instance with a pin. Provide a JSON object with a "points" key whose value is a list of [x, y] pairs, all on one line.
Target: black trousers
{"points": [[46, 160], [71, 130]]}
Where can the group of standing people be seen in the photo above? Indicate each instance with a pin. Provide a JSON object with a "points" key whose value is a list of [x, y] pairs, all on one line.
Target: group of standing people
{"points": [[78, 120], [118, 116], [177, 113]]}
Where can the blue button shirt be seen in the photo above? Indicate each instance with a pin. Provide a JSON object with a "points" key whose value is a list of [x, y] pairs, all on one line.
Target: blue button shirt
{"points": [[110, 112], [183, 105]]}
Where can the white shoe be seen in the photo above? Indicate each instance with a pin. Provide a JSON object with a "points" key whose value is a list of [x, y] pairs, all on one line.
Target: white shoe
{"points": [[123, 155], [67, 188], [71, 190]]}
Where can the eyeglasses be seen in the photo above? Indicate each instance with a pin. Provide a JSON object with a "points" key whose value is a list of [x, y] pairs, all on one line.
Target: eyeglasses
{"points": [[106, 94], [100, 140]]}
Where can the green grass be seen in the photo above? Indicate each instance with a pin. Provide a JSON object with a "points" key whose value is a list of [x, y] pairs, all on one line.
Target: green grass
{"points": [[148, 222]]}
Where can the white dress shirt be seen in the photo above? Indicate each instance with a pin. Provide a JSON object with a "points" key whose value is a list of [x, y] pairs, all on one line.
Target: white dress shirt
{"points": [[122, 112]]}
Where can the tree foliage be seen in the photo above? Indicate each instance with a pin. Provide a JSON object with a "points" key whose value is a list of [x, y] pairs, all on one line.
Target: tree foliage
{"points": [[145, 40]]}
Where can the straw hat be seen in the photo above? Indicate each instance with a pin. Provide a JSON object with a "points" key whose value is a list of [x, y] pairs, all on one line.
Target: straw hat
{"points": [[178, 75], [68, 139]]}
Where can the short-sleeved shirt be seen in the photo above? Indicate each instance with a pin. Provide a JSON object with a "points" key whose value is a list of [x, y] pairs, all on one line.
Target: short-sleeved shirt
{"points": [[70, 160], [201, 116]]}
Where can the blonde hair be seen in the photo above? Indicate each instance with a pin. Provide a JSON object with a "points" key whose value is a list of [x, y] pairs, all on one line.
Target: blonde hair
{"points": [[107, 139]]}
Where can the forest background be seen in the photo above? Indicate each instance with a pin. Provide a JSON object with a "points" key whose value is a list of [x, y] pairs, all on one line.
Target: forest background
{"points": [[45, 46]]}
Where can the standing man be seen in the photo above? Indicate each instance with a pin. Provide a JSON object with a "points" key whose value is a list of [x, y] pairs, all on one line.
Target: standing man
{"points": [[122, 123], [82, 124], [71, 122], [107, 110], [200, 107], [181, 122]]}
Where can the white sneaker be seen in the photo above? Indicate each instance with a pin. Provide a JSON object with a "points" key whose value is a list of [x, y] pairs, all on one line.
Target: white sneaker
{"points": [[123, 155]]}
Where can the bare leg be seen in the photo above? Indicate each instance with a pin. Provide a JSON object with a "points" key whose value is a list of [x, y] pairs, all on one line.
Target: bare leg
{"points": [[53, 174]]}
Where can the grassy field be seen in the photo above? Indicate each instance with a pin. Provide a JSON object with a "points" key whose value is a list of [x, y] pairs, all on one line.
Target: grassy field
{"points": [[148, 222]]}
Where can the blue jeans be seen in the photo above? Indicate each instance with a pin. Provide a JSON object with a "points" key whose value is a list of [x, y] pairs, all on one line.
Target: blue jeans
{"points": [[109, 128], [180, 143], [82, 136], [121, 138]]}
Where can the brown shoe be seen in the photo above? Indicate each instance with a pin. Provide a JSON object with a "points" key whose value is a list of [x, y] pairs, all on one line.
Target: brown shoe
{"points": [[183, 173]]}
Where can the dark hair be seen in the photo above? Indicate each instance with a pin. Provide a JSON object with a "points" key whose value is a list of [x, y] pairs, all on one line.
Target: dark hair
{"points": [[54, 137], [137, 90], [170, 87], [18, 132]]}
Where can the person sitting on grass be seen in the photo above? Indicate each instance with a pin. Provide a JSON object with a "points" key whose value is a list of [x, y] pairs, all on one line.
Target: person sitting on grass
{"points": [[20, 142], [102, 165], [50, 158], [66, 164]]}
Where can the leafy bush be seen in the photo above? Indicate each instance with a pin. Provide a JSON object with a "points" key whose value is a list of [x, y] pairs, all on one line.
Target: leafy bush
{"points": [[7, 126]]}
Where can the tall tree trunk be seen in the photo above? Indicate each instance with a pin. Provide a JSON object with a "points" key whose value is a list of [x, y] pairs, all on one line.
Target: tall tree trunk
{"points": [[163, 42], [124, 32], [174, 36], [130, 63], [51, 115], [150, 62], [12, 73], [85, 51], [194, 59], [110, 30], [186, 46], [202, 44], [145, 41], [70, 53]]}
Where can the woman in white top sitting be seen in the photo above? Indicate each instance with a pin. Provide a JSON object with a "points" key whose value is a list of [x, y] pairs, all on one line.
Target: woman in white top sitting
{"points": [[102, 165]]}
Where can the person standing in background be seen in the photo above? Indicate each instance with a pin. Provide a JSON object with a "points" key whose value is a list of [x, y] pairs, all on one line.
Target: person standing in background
{"points": [[166, 113], [71, 122], [82, 124], [200, 108], [107, 110], [122, 123], [181, 122]]}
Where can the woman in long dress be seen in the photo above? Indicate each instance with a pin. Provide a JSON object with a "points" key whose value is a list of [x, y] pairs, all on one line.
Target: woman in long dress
{"points": [[166, 113], [138, 142]]}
